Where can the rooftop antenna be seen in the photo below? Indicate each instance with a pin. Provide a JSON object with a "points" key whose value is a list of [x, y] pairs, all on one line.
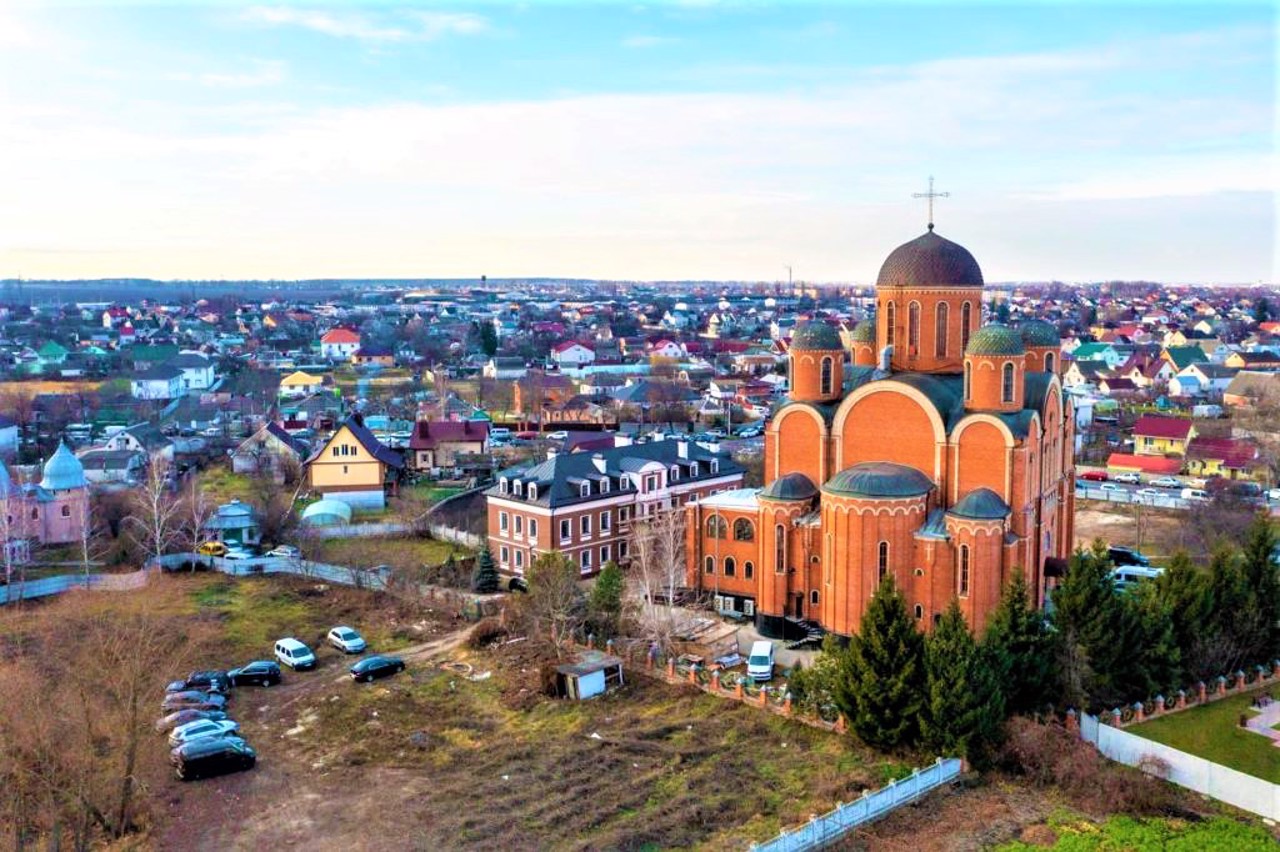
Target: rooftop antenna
{"points": [[930, 195], [788, 266]]}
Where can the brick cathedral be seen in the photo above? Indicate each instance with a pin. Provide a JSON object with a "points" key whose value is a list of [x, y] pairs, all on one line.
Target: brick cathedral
{"points": [[931, 447]]}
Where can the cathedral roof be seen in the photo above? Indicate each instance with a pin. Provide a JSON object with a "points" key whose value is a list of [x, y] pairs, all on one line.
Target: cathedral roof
{"points": [[792, 486], [864, 332], [930, 261], [816, 335], [1038, 333], [995, 339], [879, 480], [63, 471], [981, 504]]}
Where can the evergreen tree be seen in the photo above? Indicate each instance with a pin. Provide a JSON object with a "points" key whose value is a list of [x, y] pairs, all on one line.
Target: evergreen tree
{"points": [[881, 683], [1259, 568], [605, 603], [1020, 648], [964, 706], [1158, 658], [1262, 310], [1090, 624], [484, 579], [1184, 589], [1233, 622]]}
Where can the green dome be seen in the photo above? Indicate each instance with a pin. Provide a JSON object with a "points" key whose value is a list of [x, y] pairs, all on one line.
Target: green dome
{"points": [[1039, 333], [815, 335], [864, 332], [885, 480], [792, 486], [982, 504], [995, 339], [63, 471]]}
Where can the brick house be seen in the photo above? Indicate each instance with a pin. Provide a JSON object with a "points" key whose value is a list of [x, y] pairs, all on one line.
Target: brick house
{"points": [[440, 443]]}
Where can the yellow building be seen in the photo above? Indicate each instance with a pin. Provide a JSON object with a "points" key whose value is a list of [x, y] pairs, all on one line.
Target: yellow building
{"points": [[353, 467], [1154, 435], [300, 384]]}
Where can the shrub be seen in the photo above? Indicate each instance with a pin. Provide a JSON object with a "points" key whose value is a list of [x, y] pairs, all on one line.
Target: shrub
{"points": [[486, 632]]}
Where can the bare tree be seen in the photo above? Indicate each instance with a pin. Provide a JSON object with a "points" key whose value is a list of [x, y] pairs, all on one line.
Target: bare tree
{"points": [[657, 572], [92, 549], [155, 521], [555, 607], [196, 512]]}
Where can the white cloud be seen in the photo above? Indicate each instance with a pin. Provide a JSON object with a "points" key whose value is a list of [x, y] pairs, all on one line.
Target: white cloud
{"points": [[410, 26], [264, 73], [436, 24], [643, 41]]}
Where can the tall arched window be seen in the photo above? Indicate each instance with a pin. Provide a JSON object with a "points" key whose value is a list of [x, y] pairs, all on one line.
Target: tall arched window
{"points": [[743, 530], [717, 527], [940, 330], [748, 570], [968, 381], [1006, 382], [780, 549], [730, 566], [966, 324], [890, 319], [882, 559], [964, 570], [913, 328], [919, 612], [826, 376], [710, 564], [1048, 362]]}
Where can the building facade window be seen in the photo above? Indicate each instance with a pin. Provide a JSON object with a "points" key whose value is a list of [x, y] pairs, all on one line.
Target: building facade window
{"points": [[1048, 362], [730, 567], [604, 554], [717, 527], [919, 612], [66, 511], [941, 320], [1006, 382], [780, 549], [743, 530], [622, 549], [533, 528], [566, 531], [968, 381], [813, 597], [605, 522], [966, 324], [503, 521], [748, 570], [586, 560], [964, 571], [519, 558], [826, 376], [503, 555], [882, 560], [709, 564], [519, 524], [890, 320], [584, 525], [913, 328]]}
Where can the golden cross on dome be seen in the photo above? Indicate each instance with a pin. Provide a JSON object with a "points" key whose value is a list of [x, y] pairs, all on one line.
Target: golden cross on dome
{"points": [[930, 195]]}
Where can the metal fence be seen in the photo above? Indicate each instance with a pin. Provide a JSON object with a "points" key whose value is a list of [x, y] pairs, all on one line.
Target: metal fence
{"points": [[1124, 495], [831, 826], [47, 586]]}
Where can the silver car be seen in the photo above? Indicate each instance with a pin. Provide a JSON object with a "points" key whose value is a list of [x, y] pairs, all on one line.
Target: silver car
{"points": [[201, 729], [347, 640]]}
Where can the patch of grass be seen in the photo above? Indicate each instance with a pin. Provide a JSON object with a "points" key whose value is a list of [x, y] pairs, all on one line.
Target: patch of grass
{"points": [[402, 552], [221, 485], [1213, 732], [1119, 834]]}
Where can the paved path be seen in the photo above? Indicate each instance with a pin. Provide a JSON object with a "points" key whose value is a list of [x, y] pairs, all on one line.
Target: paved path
{"points": [[1264, 723]]}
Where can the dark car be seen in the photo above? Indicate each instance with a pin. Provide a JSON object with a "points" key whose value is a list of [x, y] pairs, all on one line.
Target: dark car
{"points": [[182, 717], [210, 681], [1121, 556], [212, 756], [257, 673], [375, 667], [193, 700]]}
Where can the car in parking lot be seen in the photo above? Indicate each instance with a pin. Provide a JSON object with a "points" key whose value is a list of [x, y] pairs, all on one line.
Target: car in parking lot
{"points": [[238, 553], [285, 551], [207, 757], [1110, 486], [257, 673], [371, 668], [1148, 493], [212, 548], [558, 435], [193, 700], [294, 654], [206, 681], [1120, 556], [750, 432], [202, 728], [1094, 476], [1166, 482], [182, 717], [347, 640], [1128, 477]]}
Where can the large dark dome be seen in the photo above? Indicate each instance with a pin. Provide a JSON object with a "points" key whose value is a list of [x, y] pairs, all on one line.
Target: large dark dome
{"points": [[879, 480], [815, 335], [791, 486], [930, 261]]}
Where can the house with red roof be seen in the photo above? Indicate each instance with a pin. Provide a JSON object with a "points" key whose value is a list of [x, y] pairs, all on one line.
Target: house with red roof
{"points": [[1233, 458], [441, 443], [339, 344], [1150, 465], [1156, 435], [571, 354]]}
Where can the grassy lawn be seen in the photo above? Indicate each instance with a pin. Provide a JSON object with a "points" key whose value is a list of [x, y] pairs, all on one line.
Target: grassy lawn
{"points": [[428, 494], [1121, 834], [407, 552], [1212, 732], [220, 485]]}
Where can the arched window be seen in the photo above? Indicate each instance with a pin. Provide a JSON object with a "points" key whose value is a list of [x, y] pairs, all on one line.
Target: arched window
{"points": [[35, 513], [66, 511], [940, 330], [780, 549], [748, 570], [890, 318], [743, 530], [966, 324], [813, 597], [1048, 362], [717, 527], [882, 560], [913, 328], [1006, 383], [826, 376], [730, 566], [964, 570], [919, 612], [710, 564], [968, 381]]}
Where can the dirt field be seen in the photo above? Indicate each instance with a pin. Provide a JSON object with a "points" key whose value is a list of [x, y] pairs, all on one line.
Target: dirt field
{"points": [[1155, 532]]}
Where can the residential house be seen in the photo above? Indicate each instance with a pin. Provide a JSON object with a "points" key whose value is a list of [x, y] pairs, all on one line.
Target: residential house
{"points": [[1257, 360], [270, 450], [505, 367], [157, 383], [443, 443], [1144, 464], [1110, 354], [145, 438], [1117, 387], [198, 372], [666, 349], [1156, 435], [235, 524], [353, 467], [1202, 378], [571, 355], [581, 411], [339, 344], [1182, 357], [1250, 388], [299, 384], [8, 437], [373, 356], [1233, 458], [113, 467]]}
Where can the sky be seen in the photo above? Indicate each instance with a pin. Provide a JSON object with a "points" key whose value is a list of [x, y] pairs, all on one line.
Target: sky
{"points": [[636, 141]]}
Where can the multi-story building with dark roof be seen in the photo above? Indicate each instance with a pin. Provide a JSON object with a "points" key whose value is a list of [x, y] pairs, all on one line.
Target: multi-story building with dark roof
{"points": [[941, 455], [584, 504]]}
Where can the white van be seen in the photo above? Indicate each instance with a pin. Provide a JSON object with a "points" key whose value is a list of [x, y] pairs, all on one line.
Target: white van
{"points": [[1194, 494], [1129, 575], [760, 663], [294, 654]]}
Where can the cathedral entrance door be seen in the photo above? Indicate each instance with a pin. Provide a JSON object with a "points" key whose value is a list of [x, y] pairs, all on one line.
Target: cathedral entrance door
{"points": [[799, 605]]}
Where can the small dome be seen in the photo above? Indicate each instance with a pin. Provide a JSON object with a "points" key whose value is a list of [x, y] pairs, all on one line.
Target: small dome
{"points": [[879, 479], [981, 504], [63, 471], [995, 339], [811, 336], [864, 332], [1038, 333], [792, 486], [930, 261], [325, 512]]}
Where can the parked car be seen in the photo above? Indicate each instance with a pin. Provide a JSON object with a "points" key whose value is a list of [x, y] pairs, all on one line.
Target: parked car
{"points": [[285, 551], [1094, 476], [1148, 493], [760, 663], [1128, 477], [1110, 486], [1130, 575], [212, 756], [375, 667], [1166, 482], [257, 673], [239, 553], [347, 640], [207, 681], [1126, 556], [558, 435], [202, 728], [294, 654], [1195, 494], [182, 717], [212, 548], [193, 700], [750, 432]]}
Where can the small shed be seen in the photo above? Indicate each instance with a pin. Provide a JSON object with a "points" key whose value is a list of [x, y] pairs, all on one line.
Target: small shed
{"points": [[235, 523], [592, 675]]}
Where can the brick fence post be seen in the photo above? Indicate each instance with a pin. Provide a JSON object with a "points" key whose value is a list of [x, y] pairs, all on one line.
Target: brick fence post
{"points": [[737, 690], [1159, 705], [693, 675], [715, 680], [1240, 679], [608, 647], [1115, 717], [1139, 712], [1222, 685], [1202, 692], [1073, 722], [671, 668], [764, 696], [1182, 699], [786, 703], [1275, 668], [591, 641], [841, 724]]}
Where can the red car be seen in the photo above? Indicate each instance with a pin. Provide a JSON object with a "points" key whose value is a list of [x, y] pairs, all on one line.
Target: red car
{"points": [[1094, 476]]}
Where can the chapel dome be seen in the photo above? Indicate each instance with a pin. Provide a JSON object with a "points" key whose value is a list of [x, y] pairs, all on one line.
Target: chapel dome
{"points": [[886, 480], [1038, 333], [995, 339], [815, 336], [930, 261], [981, 504], [63, 471], [791, 486]]}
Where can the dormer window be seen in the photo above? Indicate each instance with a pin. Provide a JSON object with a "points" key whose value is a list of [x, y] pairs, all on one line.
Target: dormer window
{"points": [[519, 487], [604, 486], [693, 469], [584, 490], [503, 486], [533, 491], [675, 473], [715, 466], [624, 483]]}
